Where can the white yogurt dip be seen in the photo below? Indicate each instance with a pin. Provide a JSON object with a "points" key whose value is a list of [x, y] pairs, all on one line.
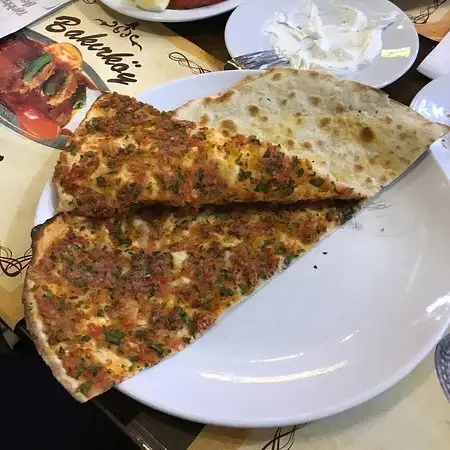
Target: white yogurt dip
{"points": [[348, 42]]}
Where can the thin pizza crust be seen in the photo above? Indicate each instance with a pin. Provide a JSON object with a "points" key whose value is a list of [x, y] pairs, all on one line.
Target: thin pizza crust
{"points": [[42, 237]]}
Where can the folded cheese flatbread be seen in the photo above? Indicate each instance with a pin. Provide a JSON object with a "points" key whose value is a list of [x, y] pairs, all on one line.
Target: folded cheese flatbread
{"points": [[353, 132], [106, 298], [127, 153]]}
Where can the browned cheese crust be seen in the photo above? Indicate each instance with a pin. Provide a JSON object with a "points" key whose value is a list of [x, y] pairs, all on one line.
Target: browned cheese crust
{"points": [[106, 298], [127, 153]]}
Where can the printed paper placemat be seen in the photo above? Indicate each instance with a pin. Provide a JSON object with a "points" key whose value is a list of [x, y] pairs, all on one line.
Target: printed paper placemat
{"points": [[49, 75]]}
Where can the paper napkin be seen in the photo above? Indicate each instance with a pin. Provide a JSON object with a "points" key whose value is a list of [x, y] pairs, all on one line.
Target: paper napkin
{"points": [[437, 63]]}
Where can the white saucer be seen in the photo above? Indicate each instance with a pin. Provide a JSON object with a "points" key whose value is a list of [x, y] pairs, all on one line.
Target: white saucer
{"points": [[244, 34]]}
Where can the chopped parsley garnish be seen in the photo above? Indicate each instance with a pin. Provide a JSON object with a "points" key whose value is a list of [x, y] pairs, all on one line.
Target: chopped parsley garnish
{"points": [[95, 369], [125, 241], [294, 161], [186, 319], [89, 154], [316, 181], [262, 187], [111, 165], [281, 250], [175, 187], [101, 313], [300, 172], [61, 306], [123, 127], [288, 260], [225, 291], [244, 175], [85, 338], [287, 187], [243, 289], [61, 351], [101, 181], [79, 282], [85, 387], [223, 275], [79, 369], [91, 269], [134, 190], [346, 218], [155, 347], [130, 148], [113, 336], [181, 312], [140, 334], [266, 243], [95, 123], [274, 166]]}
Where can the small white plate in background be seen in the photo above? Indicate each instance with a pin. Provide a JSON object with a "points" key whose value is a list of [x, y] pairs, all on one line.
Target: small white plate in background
{"points": [[244, 34], [433, 100]]}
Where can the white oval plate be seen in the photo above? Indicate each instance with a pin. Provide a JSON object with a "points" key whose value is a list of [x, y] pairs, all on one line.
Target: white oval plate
{"points": [[251, 17], [433, 100], [314, 342], [129, 8]]}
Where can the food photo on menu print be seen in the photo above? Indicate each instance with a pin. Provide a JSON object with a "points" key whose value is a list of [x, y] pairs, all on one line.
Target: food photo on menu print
{"points": [[45, 87]]}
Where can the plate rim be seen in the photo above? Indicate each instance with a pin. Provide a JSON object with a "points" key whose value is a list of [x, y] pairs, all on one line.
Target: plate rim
{"points": [[180, 15], [363, 397], [411, 60]]}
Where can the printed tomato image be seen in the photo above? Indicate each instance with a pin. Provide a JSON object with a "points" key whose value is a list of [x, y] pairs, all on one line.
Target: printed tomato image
{"points": [[36, 124]]}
